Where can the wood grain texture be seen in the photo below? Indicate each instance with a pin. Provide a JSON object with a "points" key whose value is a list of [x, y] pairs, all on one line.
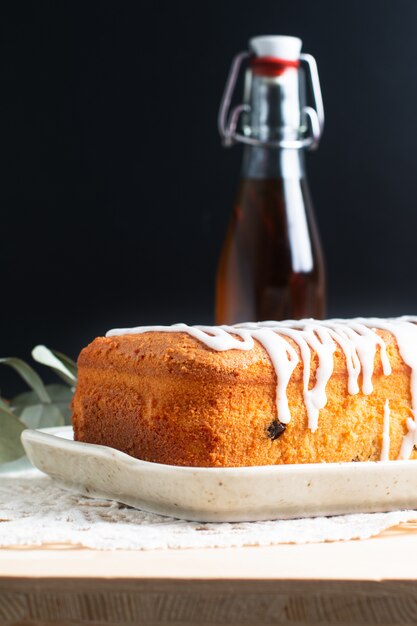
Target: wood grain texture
{"points": [[206, 603]]}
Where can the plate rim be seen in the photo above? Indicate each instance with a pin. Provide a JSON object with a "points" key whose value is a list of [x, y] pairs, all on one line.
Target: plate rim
{"points": [[50, 436]]}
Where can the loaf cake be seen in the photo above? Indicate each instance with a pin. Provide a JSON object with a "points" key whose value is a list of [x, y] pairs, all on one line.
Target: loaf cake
{"points": [[252, 394]]}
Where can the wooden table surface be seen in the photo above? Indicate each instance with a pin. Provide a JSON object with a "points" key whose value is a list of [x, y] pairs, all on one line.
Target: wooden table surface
{"points": [[368, 582]]}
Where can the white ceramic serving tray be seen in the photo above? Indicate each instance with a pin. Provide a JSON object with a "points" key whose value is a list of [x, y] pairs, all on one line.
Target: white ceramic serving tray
{"points": [[222, 494]]}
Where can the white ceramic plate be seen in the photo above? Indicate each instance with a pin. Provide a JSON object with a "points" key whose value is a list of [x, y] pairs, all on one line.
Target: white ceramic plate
{"points": [[222, 494]]}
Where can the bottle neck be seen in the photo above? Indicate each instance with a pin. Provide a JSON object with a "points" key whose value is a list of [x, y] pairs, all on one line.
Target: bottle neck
{"points": [[274, 106], [261, 162]]}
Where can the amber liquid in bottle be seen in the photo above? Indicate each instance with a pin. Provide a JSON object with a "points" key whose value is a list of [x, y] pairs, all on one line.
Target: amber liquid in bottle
{"points": [[271, 266]]}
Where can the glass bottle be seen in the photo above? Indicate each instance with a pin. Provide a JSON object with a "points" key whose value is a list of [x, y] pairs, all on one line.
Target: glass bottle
{"points": [[271, 265]]}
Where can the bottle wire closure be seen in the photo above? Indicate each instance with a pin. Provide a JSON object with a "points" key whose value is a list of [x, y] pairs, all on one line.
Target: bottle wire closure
{"points": [[312, 117]]}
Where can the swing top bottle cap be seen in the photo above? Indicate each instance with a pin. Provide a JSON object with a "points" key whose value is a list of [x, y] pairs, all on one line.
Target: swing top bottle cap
{"points": [[276, 46]]}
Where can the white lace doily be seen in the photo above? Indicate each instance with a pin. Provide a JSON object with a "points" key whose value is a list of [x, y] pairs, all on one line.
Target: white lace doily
{"points": [[34, 511]]}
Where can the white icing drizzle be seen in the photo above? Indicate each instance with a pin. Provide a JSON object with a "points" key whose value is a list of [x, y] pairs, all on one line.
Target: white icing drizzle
{"points": [[409, 440], [308, 337], [284, 359], [385, 433], [357, 338], [215, 337], [404, 330]]}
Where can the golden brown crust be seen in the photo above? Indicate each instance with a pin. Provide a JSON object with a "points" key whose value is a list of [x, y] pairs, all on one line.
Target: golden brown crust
{"points": [[168, 398]]}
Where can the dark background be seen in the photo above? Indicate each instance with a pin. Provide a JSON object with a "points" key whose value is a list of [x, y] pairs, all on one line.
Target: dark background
{"points": [[115, 191]]}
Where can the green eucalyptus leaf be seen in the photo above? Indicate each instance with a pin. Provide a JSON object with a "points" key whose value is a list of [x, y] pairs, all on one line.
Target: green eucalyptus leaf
{"points": [[57, 393], [10, 430], [18, 465], [65, 370], [29, 376], [68, 362], [61, 397], [4, 405], [42, 416]]}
